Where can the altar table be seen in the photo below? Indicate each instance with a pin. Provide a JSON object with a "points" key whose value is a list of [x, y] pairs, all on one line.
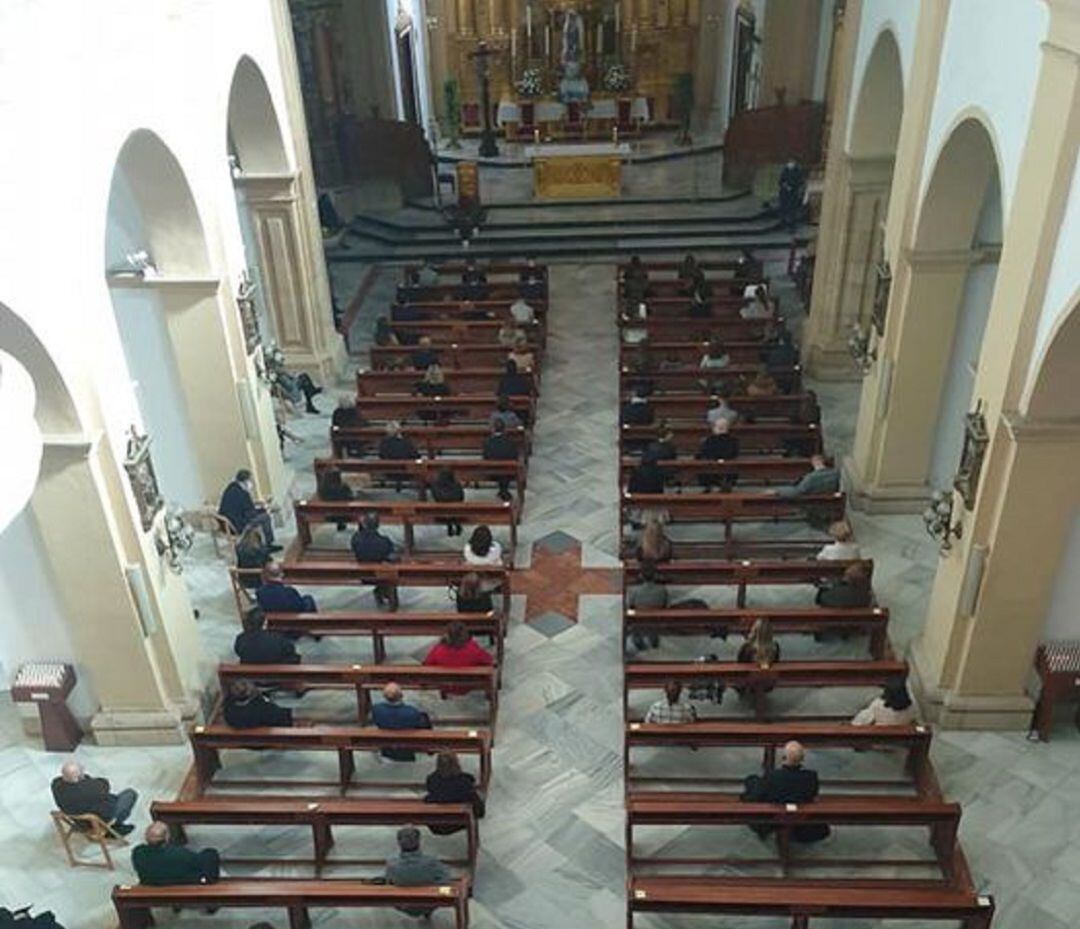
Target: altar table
{"points": [[564, 172]]}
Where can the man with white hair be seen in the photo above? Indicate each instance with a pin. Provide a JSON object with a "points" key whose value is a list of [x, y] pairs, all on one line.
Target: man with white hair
{"points": [[76, 793], [160, 862], [789, 783]]}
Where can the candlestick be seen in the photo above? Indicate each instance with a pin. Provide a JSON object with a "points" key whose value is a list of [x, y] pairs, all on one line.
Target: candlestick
{"points": [[600, 38], [633, 39], [547, 41], [513, 51], [615, 134], [536, 136], [617, 21]]}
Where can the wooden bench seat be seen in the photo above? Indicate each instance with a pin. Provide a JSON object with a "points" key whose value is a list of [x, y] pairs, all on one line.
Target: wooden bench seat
{"points": [[694, 405], [296, 897], [321, 815], [658, 808], [457, 408], [688, 378], [381, 626], [745, 356], [804, 904], [913, 740], [207, 743], [456, 290], [431, 441], [762, 471], [465, 381], [731, 329], [766, 437], [873, 621], [451, 355], [364, 678], [469, 332], [490, 268]]}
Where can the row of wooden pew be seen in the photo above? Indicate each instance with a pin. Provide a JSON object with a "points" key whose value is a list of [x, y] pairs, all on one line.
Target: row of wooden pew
{"points": [[357, 796], [726, 545]]}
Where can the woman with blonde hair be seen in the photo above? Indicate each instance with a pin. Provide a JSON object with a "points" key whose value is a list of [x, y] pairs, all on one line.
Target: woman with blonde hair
{"points": [[843, 546], [654, 545], [760, 647]]}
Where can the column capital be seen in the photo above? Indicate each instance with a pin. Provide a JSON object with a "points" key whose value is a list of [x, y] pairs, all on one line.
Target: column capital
{"points": [[1025, 429], [269, 188], [1063, 33], [950, 259]]}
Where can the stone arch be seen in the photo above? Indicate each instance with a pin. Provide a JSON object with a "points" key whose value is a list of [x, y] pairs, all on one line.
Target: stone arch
{"points": [[1052, 395], [254, 131], [879, 104], [54, 409]]}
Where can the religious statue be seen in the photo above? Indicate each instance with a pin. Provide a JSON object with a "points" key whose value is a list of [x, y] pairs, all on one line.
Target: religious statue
{"points": [[573, 86]]}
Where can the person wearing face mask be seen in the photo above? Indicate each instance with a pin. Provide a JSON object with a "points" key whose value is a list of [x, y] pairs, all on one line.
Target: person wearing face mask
{"points": [[238, 507]]}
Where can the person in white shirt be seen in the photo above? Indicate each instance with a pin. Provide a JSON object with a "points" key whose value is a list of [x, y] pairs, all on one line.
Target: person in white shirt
{"points": [[893, 708], [759, 306], [715, 357], [482, 549], [843, 546], [522, 313]]}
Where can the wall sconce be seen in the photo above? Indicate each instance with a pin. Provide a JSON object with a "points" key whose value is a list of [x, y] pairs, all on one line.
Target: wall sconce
{"points": [[174, 536], [882, 289], [859, 347], [938, 520], [249, 320], [976, 439]]}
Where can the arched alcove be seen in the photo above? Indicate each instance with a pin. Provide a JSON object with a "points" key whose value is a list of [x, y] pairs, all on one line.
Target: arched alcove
{"points": [[254, 131], [879, 104]]}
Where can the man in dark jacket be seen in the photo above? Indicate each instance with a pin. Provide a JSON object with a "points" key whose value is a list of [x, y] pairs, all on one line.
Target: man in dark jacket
{"points": [[394, 446], [161, 863], [76, 793], [719, 445], [246, 708], [425, 356], [275, 596], [647, 478], [512, 383], [852, 591], [500, 447], [395, 713], [257, 645], [238, 507], [789, 783], [637, 411], [371, 546]]}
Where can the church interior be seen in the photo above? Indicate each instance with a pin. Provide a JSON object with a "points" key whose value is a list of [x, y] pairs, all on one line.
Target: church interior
{"points": [[634, 445]]}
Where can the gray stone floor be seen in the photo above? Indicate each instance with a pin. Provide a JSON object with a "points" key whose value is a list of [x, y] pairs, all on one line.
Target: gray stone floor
{"points": [[552, 841]]}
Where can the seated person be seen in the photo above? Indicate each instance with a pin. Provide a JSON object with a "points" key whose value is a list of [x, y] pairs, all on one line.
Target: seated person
{"points": [[782, 355], [512, 383], [671, 708], [637, 410], [449, 784], [507, 334], [162, 863], [662, 448], [521, 313], [245, 707], [843, 546], [688, 269], [821, 479], [275, 596], [759, 306], [700, 307], [654, 546], [252, 555], [635, 271], [238, 507], [503, 414], [649, 593], [457, 649], [715, 358], [403, 313], [395, 446], [472, 596], [425, 356], [760, 647], [346, 416], [852, 591], [395, 713], [893, 708], [76, 794], [369, 546], [412, 868], [647, 478], [333, 487], [720, 409], [719, 445], [258, 645], [482, 548], [500, 447], [427, 276], [789, 783], [532, 273], [433, 384], [762, 384], [384, 336], [522, 356], [447, 489]]}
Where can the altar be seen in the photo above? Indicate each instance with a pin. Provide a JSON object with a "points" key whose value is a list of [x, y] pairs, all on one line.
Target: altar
{"points": [[566, 172]]}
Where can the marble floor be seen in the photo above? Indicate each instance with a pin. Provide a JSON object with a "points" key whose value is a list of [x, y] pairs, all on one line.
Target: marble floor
{"points": [[552, 842]]}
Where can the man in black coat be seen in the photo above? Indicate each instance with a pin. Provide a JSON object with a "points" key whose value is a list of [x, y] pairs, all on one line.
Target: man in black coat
{"points": [[246, 708], [238, 507], [789, 783], [719, 445], [647, 478], [512, 383], [76, 793], [500, 447], [637, 411], [258, 645], [369, 546]]}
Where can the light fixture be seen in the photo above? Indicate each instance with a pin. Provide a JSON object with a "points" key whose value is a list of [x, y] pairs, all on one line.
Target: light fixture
{"points": [[860, 348], [174, 536], [937, 518]]}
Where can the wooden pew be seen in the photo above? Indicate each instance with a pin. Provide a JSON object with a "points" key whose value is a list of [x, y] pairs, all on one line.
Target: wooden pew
{"points": [[362, 679], [490, 268], [913, 740], [689, 379], [671, 268], [422, 471], [660, 808], [682, 407], [320, 816], [753, 471], [465, 381], [457, 408], [207, 743], [431, 441], [726, 509], [745, 355], [295, 897], [807, 902], [873, 621], [405, 513], [753, 437], [471, 333], [652, 675], [497, 290], [451, 356], [381, 626], [731, 329]]}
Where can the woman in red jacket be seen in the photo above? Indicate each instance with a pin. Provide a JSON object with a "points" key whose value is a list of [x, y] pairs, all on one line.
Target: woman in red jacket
{"points": [[457, 649]]}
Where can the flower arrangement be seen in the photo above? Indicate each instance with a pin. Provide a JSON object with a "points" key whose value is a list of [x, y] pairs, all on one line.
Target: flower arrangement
{"points": [[616, 78], [531, 83]]}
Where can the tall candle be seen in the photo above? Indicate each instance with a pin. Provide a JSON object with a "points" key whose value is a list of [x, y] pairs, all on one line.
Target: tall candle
{"points": [[513, 49], [633, 39], [600, 38], [547, 41]]}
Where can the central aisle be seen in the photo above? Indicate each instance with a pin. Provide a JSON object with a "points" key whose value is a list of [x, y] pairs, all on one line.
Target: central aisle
{"points": [[552, 841]]}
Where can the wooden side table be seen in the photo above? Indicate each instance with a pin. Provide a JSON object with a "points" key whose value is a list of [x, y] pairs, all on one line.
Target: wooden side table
{"points": [[1058, 666], [48, 685]]}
